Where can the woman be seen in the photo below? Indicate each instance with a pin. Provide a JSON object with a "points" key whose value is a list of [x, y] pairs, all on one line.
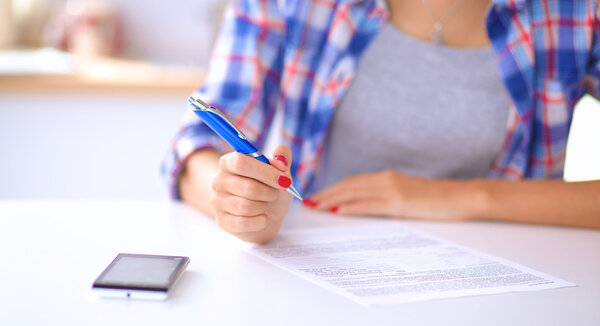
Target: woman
{"points": [[439, 109]]}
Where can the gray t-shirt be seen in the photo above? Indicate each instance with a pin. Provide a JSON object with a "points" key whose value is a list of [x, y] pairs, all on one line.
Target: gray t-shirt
{"points": [[419, 109]]}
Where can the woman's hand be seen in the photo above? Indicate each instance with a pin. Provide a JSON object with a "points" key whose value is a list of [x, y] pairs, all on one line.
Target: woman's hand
{"points": [[392, 194], [247, 197]]}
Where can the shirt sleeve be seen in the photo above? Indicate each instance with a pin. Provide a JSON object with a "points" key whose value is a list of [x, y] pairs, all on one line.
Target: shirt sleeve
{"points": [[242, 81]]}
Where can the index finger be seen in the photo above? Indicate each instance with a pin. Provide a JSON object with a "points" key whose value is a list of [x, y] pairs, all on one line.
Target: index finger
{"points": [[244, 165]]}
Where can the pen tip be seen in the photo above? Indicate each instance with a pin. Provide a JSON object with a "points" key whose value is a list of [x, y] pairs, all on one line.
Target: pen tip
{"points": [[294, 192]]}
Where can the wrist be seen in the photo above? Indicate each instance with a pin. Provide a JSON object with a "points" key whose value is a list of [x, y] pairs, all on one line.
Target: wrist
{"points": [[195, 179], [468, 199], [475, 198]]}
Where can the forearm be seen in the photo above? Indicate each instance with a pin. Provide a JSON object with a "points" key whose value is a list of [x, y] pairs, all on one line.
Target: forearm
{"points": [[196, 178], [552, 202]]}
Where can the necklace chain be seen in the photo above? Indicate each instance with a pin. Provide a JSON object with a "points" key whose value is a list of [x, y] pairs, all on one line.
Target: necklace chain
{"points": [[436, 36]]}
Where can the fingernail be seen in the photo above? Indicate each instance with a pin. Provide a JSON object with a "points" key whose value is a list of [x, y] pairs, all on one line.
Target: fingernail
{"points": [[334, 209], [309, 202], [281, 159], [284, 181]]}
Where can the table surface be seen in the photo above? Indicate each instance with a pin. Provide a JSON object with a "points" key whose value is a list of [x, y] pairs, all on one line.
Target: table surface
{"points": [[53, 250]]}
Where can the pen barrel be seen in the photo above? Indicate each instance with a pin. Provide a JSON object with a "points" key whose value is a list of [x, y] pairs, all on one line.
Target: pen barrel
{"points": [[225, 131], [261, 158], [220, 124]]}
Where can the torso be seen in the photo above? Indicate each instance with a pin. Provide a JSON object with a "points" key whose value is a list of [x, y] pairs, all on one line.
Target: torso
{"points": [[418, 109]]}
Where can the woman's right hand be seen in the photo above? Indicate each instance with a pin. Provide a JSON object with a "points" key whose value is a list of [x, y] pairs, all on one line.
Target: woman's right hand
{"points": [[248, 197]]}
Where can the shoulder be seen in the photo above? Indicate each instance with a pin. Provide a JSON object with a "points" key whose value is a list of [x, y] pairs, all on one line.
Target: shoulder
{"points": [[274, 13], [289, 8], [303, 11], [261, 13], [562, 7]]}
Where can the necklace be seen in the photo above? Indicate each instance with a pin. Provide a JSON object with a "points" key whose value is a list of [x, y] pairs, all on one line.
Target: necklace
{"points": [[436, 36]]}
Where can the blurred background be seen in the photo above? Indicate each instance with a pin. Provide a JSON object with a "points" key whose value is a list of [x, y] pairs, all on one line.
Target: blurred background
{"points": [[92, 91]]}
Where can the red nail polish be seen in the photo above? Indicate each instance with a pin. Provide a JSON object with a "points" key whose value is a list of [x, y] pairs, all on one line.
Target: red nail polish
{"points": [[284, 181], [309, 202], [334, 209], [281, 159]]}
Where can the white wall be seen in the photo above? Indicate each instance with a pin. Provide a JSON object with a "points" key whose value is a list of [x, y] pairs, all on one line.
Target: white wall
{"points": [[96, 144], [583, 150], [175, 31]]}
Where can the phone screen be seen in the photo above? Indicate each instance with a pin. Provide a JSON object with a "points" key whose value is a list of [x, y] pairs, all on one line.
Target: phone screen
{"points": [[141, 272]]}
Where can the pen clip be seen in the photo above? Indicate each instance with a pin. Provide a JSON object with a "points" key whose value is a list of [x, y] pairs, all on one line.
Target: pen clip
{"points": [[199, 105]]}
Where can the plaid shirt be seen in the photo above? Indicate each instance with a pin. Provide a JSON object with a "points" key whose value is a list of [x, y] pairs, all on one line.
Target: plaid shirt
{"points": [[299, 57]]}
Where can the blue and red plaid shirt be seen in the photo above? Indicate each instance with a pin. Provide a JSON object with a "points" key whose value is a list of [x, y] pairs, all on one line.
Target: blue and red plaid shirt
{"points": [[299, 57]]}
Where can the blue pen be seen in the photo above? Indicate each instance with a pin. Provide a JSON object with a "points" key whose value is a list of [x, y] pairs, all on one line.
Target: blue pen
{"points": [[218, 122]]}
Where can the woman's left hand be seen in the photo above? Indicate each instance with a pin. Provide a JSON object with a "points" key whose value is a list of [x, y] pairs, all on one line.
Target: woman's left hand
{"points": [[392, 194]]}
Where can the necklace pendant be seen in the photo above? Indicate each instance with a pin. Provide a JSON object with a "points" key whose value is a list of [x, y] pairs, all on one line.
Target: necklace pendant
{"points": [[436, 37]]}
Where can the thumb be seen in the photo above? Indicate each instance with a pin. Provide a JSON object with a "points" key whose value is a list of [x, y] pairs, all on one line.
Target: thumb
{"points": [[281, 158]]}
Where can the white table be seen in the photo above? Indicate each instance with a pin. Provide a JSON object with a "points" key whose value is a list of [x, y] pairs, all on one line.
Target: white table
{"points": [[52, 251]]}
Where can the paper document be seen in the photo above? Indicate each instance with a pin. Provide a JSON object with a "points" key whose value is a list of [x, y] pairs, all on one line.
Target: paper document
{"points": [[390, 264]]}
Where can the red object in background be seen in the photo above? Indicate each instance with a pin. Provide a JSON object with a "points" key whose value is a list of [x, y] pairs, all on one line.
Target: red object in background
{"points": [[87, 28]]}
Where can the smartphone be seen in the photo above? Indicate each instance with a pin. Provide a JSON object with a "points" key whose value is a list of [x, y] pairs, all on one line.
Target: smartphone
{"points": [[135, 276]]}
